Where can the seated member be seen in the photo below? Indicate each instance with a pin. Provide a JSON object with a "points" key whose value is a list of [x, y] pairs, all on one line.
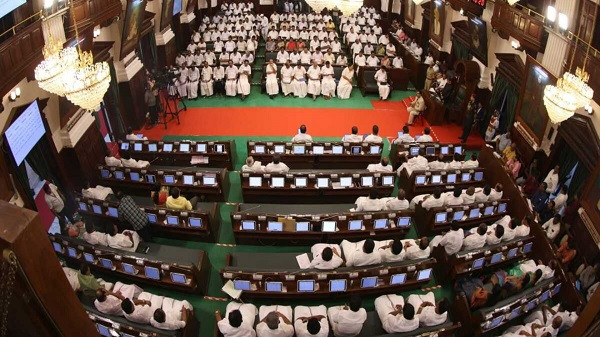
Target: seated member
{"points": [[524, 227], [398, 204], [475, 240], [326, 256], [374, 136], [302, 136], [471, 163], [370, 204], [311, 321], [417, 162], [108, 302], [252, 166], [88, 284], [287, 75], [381, 77], [206, 77], [429, 312], [99, 192], [456, 163], [276, 166], [434, 200], [494, 235], [130, 162], [360, 253], [392, 251], [426, 137], [405, 137], [243, 84], [239, 320], [455, 199], [395, 315], [348, 320], [275, 320], [383, 166], [327, 81], [468, 195], [177, 201], [314, 80], [133, 136], [271, 83], [138, 311], [345, 85], [417, 249], [452, 241], [416, 107], [111, 160], [552, 227], [482, 195], [299, 82], [231, 76], [354, 137], [438, 164]]}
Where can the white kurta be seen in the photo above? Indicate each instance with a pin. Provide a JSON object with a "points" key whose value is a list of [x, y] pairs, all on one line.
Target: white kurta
{"points": [[345, 322], [192, 85], [246, 329], [206, 84], [344, 87], [231, 80], [182, 83], [301, 327], [384, 89], [243, 85], [287, 74], [393, 323], [299, 83], [328, 83], [272, 84], [314, 82], [283, 330]]}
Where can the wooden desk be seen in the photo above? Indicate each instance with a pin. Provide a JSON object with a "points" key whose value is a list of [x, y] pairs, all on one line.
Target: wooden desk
{"points": [[417, 68], [424, 181], [400, 153], [436, 111]]}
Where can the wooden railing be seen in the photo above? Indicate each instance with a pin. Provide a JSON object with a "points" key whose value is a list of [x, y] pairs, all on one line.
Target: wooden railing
{"points": [[524, 25]]}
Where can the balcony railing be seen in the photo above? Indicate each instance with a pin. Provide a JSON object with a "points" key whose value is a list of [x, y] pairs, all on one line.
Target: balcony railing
{"points": [[523, 24]]}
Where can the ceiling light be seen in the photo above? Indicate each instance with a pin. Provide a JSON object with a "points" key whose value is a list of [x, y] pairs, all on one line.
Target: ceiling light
{"points": [[551, 14]]}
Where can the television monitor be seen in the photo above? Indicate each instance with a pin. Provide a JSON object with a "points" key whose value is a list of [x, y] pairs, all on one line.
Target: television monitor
{"points": [[306, 286], [172, 220], [248, 225], [444, 150], [424, 274], [241, 285], [368, 282], [275, 287], [514, 313], [135, 176], [430, 150], [478, 263], [300, 181], [275, 226], [184, 147], [277, 182], [436, 179], [501, 208], [328, 226], [195, 222], [209, 180], [97, 209], [512, 253], [495, 322], [479, 175], [440, 217], [366, 181], [152, 273], [299, 149], [255, 181], [83, 206], [279, 149], [531, 305], [188, 179], [128, 268], [474, 213], [374, 149], [404, 221], [167, 147], [380, 223], [151, 178], [57, 247], [169, 179], [152, 218], [72, 252], [103, 330], [458, 215], [337, 285], [89, 258], [356, 149], [398, 279], [337, 149], [527, 247], [106, 263], [496, 258], [124, 146], [137, 146], [318, 149], [259, 149], [451, 178], [545, 296], [178, 278], [113, 211], [387, 181], [201, 147], [119, 175], [303, 226], [104, 173], [458, 149], [420, 180], [489, 210], [219, 148], [466, 177], [322, 182], [414, 150], [152, 148], [355, 225]]}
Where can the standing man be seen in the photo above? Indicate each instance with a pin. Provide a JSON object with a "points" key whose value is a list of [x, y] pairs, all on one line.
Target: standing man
{"points": [[429, 76], [345, 86], [328, 83], [206, 76], [416, 108], [56, 202], [193, 77], [469, 119], [131, 213], [219, 78], [231, 75], [314, 80], [287, 74], [243, 85], [271, 84], [150, 100]]}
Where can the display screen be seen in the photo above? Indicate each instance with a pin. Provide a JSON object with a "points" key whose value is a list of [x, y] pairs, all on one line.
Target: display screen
{"points": [[152, 147], [279, 149], [241, 285], [128, 268], [172, 220], [178, 278], [436, 179], [424, 275], [274, 287], [209, 180], [451, 178], [322, 182], [355, 225], [300, 182], [259, 148], [119, 175], [337, 285], [306, 286], [274, 226], [496, 258], [478, 263], [255, 181], [430, 151], [151, 217], [112, 211], [367, 181], [458, 215], [375, 149], [277, 182], [195, 222], [299, 149], [404, 221], [346, 181], [440, 217], [137, 147], [388, 181], [302, 226], [329, 226], [368, 282], [152, 273], [356, 149], [177, 6], [420, 180], [248, 225], [380, 223], [188, 180], [185, 147], [201, 147], [398, 279], [338, 149]]}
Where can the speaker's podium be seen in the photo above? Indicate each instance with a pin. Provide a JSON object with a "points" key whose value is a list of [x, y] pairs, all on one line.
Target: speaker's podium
{"points": [[40, 300]]}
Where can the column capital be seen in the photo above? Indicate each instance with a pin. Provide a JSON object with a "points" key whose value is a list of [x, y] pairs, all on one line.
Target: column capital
{"points": [[127, 67]]}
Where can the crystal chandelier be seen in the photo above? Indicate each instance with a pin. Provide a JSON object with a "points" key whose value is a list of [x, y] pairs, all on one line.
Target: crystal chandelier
{"points": [[560, 104], [86, 83], [578, 87], [56, 61]]}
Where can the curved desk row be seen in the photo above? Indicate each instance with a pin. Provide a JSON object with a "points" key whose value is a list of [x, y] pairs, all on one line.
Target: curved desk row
{"points": [[200, 224], [399, 153], [427, 181], [178, 268], [282, 278], [307, 224], [209, 153], [317, 155], [314, 186]]}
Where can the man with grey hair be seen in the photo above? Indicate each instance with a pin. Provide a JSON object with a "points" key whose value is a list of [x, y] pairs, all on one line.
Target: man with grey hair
{"points": [[275, 321]]}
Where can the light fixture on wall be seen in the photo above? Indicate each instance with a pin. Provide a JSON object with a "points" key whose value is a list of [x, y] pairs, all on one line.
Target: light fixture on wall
{"points": [[563, 21], [48, 4], [462, 12], [96, 32], [14, 94], [551, 14], [515, 44]]}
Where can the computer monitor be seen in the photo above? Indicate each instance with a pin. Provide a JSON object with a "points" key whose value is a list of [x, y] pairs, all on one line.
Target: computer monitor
{"points": [[89, 258], [104, 173], [306, 286], [441, 217], [184, 147], [368, 282], [201, 147], [83, 206], [57, 247], [458, 149], [495, 322], [366, 181], [337, 149], [178, 278], [188, 179], [355, 225], [279, 149], [248, 225], [479, 175], [322, 182], [151, 178], [277, 182], [404, 221], [152, 272], [275, 287], [451, 178], [356, 149], [152, 218], [430, 150], [512, 253], [172, 220], [387, 181], [545, 296], [444, 150], [436, 179], [496, 258], [241, 285], [531, 305], [299, 149], [328, 226], [137, 146], [424, 274], [97, 209], [219, 148], [303, 226], [125, 146], [465, 176], [255, 181], [556, 289], [135, 176], [300, 181], [128, 268], [167, 147], [527, 247], [169, 179], [103, 330], [502, 208], [474, 213], [380, 223], [337, 285], [119, 175], [488, 210], [414, 150], [259, 149], [112, 211], [478, 263], [318, 149], [106, 263], [420, 180], [514, 313], [374, 149], [458, 215], [209, 180], [398, 279], [72, 252], [195, 222], [152, 148], [274, 226]]}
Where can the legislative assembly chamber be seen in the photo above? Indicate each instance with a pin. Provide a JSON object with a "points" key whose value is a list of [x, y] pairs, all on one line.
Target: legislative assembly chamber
{"points": [[308, 168]]}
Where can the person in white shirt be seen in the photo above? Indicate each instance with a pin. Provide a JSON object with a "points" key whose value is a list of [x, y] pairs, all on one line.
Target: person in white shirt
{"points": [[243, 85], [561, 198], [342, 60], [482, 194], [530, 266], [398, 204], [360, 253], [426, 137], [311, 321], [468, 195], [552, 227], [326, 256], [496, 193], [390, 49], [370, 204], [429, 312], [132, 136], [192, 84], [271, 82], [110, 160], [345, 85], [391, 250], [455, 199], [132, 163], [99, 192], [372, 60], [405, 137], [238, 321], [275, 321], [438, 164], [494, 235], [282, 56], [374, 136], [395, 315], [206, 81], [287, 75], [56, 203], [327, 82], [397, 62], [434, 200], [348, 320], [417, 249], [477, 239], [383, 166], [456, 163], [302, 136], [452, 241], [523, 228], [471, 163], [314, 80], [360, 60], [252, 166], [552, 180], [415, 163], [231, 76], [299, 82], [138, 311], [108, 302], [354, 137], [276, 166], [381, 77], [93, 237]]}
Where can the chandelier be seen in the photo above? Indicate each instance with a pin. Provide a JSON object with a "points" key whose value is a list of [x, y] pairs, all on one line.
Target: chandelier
{"points": [[512, 2], [56, 61], [560, 103], [577, 85]]}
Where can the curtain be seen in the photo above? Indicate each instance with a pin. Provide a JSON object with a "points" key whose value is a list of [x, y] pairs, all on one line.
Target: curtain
{"points": [[23, 180], [460, 51], [38, 158], [153, 49], [502, 93], [567, 159], [116, 121], [579, 177]]}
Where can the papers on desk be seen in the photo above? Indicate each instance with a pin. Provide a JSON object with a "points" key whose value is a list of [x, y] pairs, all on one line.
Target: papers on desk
{"points": [[338, 186], [230, 290], [303, 261], [199, 160]]}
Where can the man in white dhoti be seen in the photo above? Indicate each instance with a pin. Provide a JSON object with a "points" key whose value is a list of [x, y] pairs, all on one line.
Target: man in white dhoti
{"points": [[287, 75], [243, 85], [271, 83], [231, 75], [192, 85], [348, 320], [206, 78], [328, 82], [381, 77], [299, 82], [314, 80], [182, 83], [345, 86]]}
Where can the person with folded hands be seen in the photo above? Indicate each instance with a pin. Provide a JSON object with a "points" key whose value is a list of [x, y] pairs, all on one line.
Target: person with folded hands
{"points": [[477, 239], [347, 320], [360, 253], [395, 315], [429, 312], [239, 320], [452, 240], [399, 203], [275, 321], [311, 321], [417, 249], [326, 256]]}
